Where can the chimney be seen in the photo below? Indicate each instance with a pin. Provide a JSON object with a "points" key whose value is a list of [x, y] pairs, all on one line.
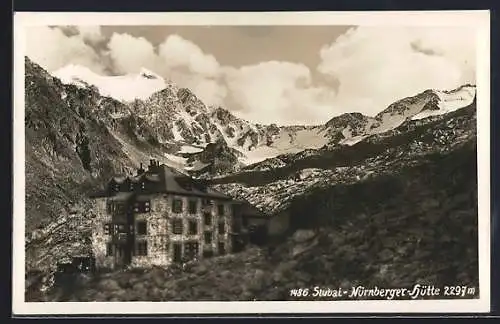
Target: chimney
{"points": [[140, 170], [153, 166]]}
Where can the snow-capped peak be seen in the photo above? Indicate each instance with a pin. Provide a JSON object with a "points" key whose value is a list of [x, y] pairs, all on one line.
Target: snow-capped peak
{"points": [[123, 87], [450, 101], [75, 74], [148, 74]]}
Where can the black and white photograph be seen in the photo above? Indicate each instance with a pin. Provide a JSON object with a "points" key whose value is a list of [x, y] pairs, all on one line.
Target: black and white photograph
{"points": [[251, 162]]}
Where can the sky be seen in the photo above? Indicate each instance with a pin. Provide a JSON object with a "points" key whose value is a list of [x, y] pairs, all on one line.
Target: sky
{"points": [[273, 74]]}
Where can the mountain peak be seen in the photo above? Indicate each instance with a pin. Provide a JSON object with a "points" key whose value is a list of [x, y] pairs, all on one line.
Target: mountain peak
{"points": [[148, 74], [123, 87]]}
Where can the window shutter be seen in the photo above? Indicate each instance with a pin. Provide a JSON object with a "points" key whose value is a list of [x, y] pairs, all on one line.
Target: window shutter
{"points": [[177, 226]]}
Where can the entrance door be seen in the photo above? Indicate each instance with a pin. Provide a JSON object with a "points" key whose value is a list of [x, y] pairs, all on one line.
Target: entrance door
{"points": [[258, 234], [238, 243], [191, 250], [121, 255], [177, 247]]}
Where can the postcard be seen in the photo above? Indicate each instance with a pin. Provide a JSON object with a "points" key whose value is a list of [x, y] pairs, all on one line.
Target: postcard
{"points": [[251, 163]]}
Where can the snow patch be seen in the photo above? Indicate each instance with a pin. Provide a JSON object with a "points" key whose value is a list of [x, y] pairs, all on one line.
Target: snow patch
{"points": [[176, 159], [449, 101], [190, 149], [124, 88], [177, 134], [196, 166], [353, 140], [306, 173]]}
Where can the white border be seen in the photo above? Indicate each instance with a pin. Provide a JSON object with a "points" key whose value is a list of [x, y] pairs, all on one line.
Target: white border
{"points": [[479, 19]]}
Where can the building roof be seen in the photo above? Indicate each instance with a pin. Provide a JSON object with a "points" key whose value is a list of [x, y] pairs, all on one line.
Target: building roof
{"points": [[122, 196], [161, 179], [184, 185], [120, 179], [249, 210]]}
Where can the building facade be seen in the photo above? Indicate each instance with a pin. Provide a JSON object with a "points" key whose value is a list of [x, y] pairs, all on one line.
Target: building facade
{"points": [[159, 217]]}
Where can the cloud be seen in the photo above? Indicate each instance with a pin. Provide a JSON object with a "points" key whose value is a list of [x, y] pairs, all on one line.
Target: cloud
{"points": [[176, 51], [187, 64], [364, 70], [377, 65], [91, 33], [175, 59], [129, 54], [280, 92], [53, 49]]}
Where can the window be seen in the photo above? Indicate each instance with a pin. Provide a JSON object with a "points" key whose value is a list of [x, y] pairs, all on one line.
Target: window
{"points": [[177, 226], [177, 206], [109, 249], [177, 252], [193, 206], [106, 229], [222, 228], [193, 227], [119, 209], [220, 209], [131, 186], [142, 206], [141, 228], [191, 250], [122, 228], [208, 237], [222, 248], [141, 248], [143, 185], [207, 219]]}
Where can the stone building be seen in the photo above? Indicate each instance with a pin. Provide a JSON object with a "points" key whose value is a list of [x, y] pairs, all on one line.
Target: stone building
{"points": [[161, 216]]}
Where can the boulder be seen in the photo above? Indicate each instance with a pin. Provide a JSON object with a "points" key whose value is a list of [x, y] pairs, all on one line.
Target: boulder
{"points": [[303, 235]]}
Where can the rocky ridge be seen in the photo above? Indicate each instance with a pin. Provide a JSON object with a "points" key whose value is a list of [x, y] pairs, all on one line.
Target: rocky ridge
{"points": [[175, 118], [272, 188]]}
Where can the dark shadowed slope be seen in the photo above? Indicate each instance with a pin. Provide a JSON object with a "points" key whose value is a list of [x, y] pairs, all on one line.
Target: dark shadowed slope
{"points": [[418, 225], [67, 150]]}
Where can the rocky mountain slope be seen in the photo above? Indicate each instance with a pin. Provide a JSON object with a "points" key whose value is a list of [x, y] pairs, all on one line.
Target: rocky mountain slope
{"points": [[178, 119], [416, 224], [271, 187], [78, 135], [74, 142]]}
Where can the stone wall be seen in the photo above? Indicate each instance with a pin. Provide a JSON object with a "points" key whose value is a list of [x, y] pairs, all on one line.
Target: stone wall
{"points": [[159, 231], [186, 216], [99, 239], [156, 234]]}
